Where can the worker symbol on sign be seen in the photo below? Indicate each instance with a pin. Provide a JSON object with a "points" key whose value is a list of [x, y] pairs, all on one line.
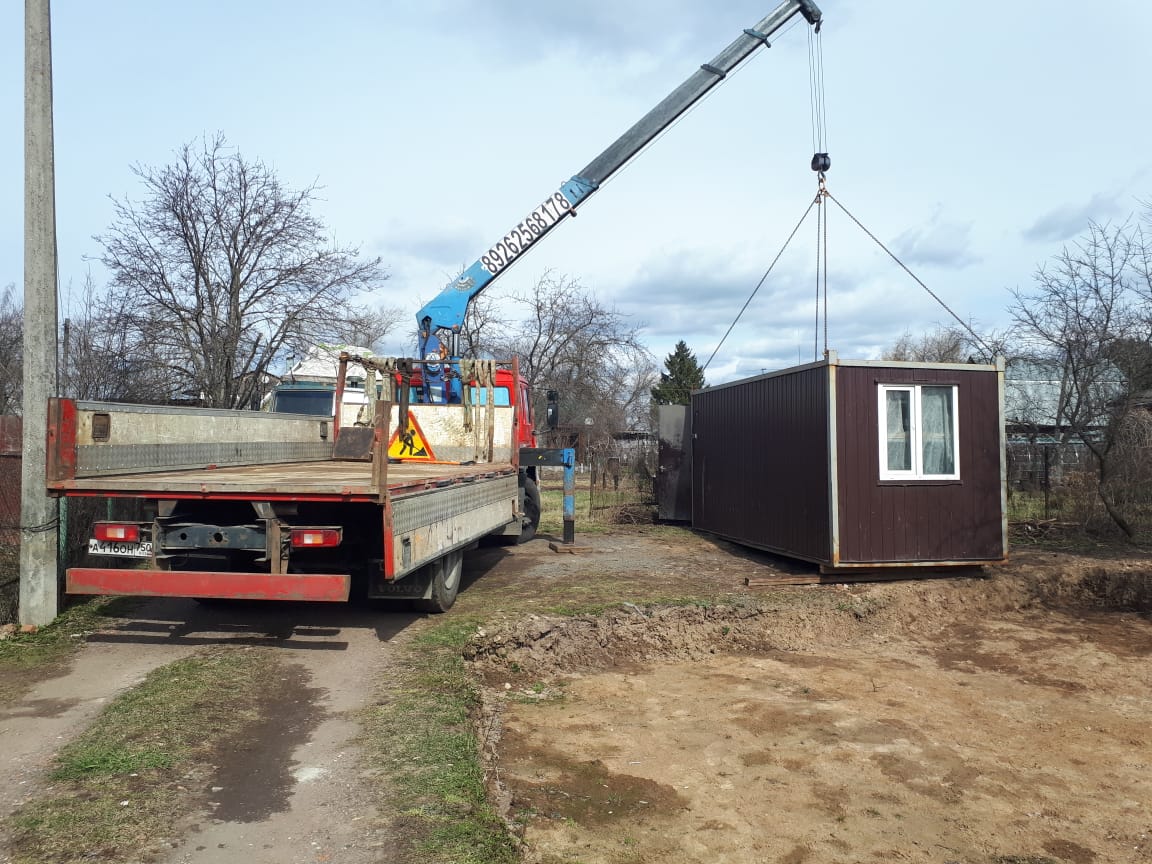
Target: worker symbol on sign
{"points": [[410, 444]]}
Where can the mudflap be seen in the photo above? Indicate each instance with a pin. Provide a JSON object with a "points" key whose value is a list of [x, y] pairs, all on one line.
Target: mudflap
{"points": [[415, 586]]}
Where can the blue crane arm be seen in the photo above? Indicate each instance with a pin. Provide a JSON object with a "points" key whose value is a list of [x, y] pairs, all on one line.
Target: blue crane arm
{"points": [[447, 310]]}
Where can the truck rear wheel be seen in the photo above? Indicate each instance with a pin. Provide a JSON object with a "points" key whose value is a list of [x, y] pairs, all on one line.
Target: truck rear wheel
{"points": [[445, 583], [530, 521]]}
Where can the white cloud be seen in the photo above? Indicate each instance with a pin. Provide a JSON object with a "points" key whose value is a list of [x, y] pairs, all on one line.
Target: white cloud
{"points": [[1069, 220], [938, 243]]}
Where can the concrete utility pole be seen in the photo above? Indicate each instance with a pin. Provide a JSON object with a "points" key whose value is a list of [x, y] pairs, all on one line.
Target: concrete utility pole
{"points": [[39, 593]]}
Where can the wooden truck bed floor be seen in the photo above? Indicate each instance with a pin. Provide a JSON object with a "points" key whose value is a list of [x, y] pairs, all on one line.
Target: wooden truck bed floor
{"points": [[325, 480]]}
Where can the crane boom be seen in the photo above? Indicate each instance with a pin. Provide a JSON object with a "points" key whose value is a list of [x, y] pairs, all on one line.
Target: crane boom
{"points": [[447, 310]]}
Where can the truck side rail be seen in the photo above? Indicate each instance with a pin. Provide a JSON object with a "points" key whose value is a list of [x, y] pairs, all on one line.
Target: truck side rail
{"points": [[98, 439]]}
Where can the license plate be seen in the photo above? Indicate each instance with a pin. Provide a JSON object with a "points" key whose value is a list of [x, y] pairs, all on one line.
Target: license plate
{"points": [[124, 550]]}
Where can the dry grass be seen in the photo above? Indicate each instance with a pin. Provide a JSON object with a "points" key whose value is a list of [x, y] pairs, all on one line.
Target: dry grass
{"points": [[120, 787], [26, 658]]}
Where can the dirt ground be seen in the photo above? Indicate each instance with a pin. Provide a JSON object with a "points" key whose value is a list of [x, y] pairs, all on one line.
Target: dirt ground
{"points": [[993, 720], [1000, 719]]}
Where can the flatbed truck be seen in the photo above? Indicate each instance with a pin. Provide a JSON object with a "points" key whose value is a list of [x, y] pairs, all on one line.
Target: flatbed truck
{"points": [[260, 505]]}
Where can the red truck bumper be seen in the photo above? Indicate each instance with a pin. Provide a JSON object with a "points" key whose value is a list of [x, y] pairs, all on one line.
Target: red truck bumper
{"points": [[183, 583]]}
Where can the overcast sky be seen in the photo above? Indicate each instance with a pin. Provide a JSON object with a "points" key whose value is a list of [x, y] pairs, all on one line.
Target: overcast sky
{"points": [[975, 140]]}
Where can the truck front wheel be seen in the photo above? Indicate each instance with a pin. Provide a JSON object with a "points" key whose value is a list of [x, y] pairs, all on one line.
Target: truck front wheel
{"points": [[530, 521], [445, 583]]}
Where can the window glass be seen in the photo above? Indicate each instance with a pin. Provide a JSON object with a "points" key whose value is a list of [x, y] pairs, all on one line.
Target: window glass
{"points": [[937, 430], [315, 402], [899, 414], [918, 432], [480, 396]]}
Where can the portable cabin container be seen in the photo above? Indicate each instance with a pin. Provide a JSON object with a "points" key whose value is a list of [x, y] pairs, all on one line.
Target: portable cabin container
{"points": [[856, 464]]}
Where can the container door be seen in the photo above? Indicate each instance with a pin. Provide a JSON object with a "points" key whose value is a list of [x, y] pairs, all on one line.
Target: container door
{"points": [[674, 476]]}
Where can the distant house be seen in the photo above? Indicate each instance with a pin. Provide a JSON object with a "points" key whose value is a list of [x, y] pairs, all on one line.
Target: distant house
{"points": [[634, 443], [1042, 449], [1032, 390], [1034, 393], [309, 385], [321, 364]]}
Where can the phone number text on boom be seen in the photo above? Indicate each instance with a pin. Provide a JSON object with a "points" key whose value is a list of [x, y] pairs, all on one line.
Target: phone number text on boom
{"points": [[534, 227]]}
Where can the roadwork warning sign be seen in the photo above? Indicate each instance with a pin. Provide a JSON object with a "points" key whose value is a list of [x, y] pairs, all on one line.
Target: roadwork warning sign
{"points": [[409, 444]]}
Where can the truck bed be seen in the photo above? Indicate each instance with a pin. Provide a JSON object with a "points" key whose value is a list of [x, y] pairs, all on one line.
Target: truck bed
{"points": [[387, 518], [319, 480], [147, 451]]}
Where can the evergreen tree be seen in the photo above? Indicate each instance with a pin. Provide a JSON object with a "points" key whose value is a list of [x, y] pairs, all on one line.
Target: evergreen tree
{"points": [[683, 376]]}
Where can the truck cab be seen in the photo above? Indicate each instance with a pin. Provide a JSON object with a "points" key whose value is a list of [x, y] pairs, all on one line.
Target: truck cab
{"points": [[318, 399]]}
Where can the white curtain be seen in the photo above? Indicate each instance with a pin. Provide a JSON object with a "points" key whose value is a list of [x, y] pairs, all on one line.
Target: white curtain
{"points": [[937, 411], [899, 410]]}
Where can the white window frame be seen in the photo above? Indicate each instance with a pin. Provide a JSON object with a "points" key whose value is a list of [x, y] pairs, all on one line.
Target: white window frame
{"points": [[916, 440]]}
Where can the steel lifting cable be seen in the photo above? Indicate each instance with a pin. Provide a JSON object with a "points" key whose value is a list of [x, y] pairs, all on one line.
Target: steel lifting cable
{"points": [[820, 164], [816, 93], [758, 284], [824, 193], [816, 325], [975, 336], [821, 267]]}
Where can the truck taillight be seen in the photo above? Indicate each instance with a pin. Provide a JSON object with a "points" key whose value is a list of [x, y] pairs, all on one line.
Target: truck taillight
{"points": [[313, 537], [117, 532]]}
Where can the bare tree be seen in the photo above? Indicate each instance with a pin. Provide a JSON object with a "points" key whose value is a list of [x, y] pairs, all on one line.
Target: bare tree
{"points": [[98, 359], [366, 326], [221, 269], [950, 344], [486, 327], [1085, 313], [943, 345], [570, 342], [11, 351], [632, 378]]}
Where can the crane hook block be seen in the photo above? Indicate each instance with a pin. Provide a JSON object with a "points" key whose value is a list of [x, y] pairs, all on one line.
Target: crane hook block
{"points": [[821, 162]]}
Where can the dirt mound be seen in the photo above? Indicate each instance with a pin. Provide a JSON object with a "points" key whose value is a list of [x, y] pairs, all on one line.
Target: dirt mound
{"points": [[1125, 587], [630, 632], [797, 619]]}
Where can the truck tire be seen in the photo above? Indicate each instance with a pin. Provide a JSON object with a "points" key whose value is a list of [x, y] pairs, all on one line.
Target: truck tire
{"points": [[445, 583], [530, 521]]}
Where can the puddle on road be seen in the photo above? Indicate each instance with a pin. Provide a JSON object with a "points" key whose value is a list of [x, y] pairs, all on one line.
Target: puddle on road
{"points": [[39, 708], [255, 771]]}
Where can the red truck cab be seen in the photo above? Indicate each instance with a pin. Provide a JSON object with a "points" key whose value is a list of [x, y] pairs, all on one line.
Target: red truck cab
{"points": [[507, 383]]}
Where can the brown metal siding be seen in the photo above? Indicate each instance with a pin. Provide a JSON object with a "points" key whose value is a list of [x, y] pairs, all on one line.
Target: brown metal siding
{"points": [[760, 463], [918, 522], [10, 450]]}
